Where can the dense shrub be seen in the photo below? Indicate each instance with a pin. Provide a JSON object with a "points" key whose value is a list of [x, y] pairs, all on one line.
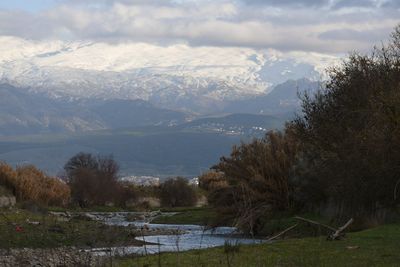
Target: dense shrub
{"points": [[212, 180], [340, 155], [30, 184], [93, 180], [8, 177], [176, 192], [258, 175], [351, 135], [126, 194]]}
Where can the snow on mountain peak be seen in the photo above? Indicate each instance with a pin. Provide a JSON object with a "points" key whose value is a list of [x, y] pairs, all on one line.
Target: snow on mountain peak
{"points": [[149, 72]]}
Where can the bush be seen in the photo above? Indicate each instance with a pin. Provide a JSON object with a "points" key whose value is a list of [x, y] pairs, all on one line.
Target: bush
{"points": [[93, 180], [258, 177], [176, 192], [350, 135], [8, 177], [212, 180], [126, 194], [341, 155], [30, 184]]}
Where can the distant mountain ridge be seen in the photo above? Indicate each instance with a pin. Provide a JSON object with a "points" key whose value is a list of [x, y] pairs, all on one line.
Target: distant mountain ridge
{"points": [[144, 139], [25, 112], [176, 77], [160, 110], [283, 99], [22, 112]]}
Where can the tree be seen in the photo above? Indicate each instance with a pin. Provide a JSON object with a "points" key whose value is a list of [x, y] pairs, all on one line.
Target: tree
{"points": [[258, 176], [93, 179], [176, 192], [350, 135], [81, 161]]}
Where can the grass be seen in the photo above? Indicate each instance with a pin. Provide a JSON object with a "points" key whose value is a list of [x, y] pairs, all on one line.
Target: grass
{"points": [[374, 247], [18, 231], [281, 221], [200, 216]]}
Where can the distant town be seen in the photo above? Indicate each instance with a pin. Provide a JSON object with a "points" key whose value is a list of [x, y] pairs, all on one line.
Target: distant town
{"points": [[152, 180]]}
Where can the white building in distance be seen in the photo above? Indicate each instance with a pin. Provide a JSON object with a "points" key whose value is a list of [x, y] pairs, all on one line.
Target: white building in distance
{"points": [[142, 180]]}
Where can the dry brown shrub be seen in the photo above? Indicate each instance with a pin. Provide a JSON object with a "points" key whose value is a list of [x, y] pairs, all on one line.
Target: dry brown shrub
{"points": [[212, 180], [8, 176], [31, 184]]}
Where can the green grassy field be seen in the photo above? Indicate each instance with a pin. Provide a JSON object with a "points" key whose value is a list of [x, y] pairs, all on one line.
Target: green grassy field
{"points": [[374, 247], [19, 229]]}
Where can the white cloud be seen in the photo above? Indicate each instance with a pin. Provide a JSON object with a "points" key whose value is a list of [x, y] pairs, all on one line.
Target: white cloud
{"points": [[331, 26]]}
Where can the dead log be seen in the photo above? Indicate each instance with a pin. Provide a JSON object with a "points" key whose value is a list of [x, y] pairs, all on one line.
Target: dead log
{"points": [[339, 232], [283, 232]]}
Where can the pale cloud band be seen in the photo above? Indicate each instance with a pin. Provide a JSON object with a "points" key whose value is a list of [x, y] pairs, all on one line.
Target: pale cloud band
{"points": [[326, 26]]}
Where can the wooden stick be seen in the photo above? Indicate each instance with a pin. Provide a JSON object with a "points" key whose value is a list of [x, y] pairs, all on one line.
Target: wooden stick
{"points": [[316, 223], [338, 233], [283, 232]]}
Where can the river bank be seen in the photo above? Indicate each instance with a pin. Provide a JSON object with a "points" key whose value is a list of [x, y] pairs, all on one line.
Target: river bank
{"points": [[128, 238], [21, 228], [373, 247], [84, 236]]}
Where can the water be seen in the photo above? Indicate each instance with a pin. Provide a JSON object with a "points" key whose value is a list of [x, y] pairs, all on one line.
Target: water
{"points": [[193, 237]]}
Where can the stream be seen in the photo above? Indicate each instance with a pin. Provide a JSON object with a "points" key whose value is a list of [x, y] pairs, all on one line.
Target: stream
{"points": [[192, 237]]}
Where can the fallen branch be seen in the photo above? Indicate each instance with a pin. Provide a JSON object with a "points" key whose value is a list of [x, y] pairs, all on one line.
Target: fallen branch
{"points": [[283, 232], [316, 223], [338, 233]]}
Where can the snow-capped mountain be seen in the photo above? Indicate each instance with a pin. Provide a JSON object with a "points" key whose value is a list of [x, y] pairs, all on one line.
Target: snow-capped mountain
{"points": [[176, 76]]}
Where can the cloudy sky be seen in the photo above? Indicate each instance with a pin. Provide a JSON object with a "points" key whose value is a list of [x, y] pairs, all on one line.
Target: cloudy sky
{"points": [[323, 26]]}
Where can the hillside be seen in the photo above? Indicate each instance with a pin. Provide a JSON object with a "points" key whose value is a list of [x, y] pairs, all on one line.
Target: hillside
{"points": [[283, 99], [23, 112], [186, 149]]}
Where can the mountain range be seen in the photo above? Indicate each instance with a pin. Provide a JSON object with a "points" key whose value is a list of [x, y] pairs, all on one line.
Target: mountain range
{"points": [[144, 139], [25, 112], [178, 77], [160, 110]]}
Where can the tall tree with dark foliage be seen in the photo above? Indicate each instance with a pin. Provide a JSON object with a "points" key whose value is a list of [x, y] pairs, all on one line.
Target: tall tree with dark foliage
{"points": [[93, 179], [351, 135]]}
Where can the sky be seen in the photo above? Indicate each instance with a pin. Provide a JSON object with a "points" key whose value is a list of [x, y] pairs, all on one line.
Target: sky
{"points": [[320, 26]]}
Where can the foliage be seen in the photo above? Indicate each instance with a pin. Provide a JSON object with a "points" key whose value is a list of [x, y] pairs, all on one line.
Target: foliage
{"points": [[257, 174], [8, 176], [176, 192], [340, 156], [212, 180], [30, 184], [351, 136], [94, 180]]}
